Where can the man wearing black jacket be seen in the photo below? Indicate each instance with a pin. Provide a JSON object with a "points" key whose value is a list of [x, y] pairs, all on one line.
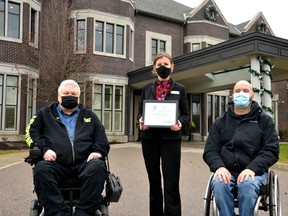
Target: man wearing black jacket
{"points": [[73, 142], [241, 146]]}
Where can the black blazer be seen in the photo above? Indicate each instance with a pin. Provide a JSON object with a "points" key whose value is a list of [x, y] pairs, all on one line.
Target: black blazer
{"points": [[176, 92]]}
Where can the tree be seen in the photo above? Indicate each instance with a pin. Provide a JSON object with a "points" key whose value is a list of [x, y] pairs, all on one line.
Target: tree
{"points": [[57, 58]]}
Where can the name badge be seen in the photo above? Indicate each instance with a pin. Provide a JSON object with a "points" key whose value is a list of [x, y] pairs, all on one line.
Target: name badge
{"points": [[175, 92]]}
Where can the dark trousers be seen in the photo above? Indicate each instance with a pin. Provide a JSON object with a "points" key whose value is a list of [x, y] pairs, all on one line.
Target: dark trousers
{"points": [[47, 179], [166, 153]]}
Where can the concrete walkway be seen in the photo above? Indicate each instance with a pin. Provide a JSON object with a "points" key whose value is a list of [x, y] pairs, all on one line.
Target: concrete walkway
{"points": [[7, 160]]}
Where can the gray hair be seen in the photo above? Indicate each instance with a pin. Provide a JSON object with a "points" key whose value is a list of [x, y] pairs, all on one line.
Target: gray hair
{"points": [[68, 82]]}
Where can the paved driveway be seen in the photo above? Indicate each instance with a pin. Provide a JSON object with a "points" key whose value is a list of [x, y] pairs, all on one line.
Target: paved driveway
{"points": [[126, 161]]}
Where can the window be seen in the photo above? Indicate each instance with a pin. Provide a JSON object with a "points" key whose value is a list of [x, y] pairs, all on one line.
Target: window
{"points": [[195, 46], [9, 19], [196, 112], [223, 104], [80, 35], [31, 99], [217, 105], [157, 46], [156, 42], [131, 45], [109, 38], [108, 106], [33, 26], [210, 110], [8, 102]]}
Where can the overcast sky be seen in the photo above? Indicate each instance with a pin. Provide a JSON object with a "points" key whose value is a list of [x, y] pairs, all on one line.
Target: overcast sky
{"points": [[238, 11]]}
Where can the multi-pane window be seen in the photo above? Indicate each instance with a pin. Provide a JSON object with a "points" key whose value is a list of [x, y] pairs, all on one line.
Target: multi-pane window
{"points": [[108, 106], [80, 35], [109, 38], [118, 108], [8, 102], [9, 19], [33, 23], [157, 46]]}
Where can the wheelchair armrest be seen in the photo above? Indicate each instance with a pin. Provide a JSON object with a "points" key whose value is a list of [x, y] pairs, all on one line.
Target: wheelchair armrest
{"points": [[34, 156]]}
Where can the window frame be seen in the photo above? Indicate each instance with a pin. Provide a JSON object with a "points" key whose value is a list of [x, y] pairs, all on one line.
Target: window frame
{"points": [[148, 43], [76, 50], [6, 20], [114, 39]]}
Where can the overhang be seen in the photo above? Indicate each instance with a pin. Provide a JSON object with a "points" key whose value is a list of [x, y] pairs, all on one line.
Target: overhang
{"points": [[218, 67]]}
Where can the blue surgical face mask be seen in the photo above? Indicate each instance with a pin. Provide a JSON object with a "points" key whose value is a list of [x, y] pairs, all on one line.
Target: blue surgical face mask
{"points": [[241, 99]]}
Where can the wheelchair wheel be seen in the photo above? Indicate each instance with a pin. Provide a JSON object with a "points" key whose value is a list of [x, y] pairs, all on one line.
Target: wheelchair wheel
{"points": [[34, 208], [210, 208], [274, 195]]}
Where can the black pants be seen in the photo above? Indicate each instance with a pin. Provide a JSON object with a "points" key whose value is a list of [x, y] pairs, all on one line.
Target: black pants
{"points": [[47, 177], [168, 154]]}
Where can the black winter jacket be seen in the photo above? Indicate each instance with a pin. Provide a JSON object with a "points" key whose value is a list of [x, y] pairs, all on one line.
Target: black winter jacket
{"points": [[238, 143], [176, 92], [47, 130]]}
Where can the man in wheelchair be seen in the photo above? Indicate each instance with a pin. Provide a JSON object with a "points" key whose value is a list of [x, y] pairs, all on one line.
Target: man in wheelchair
{"points": [[73, 143], [241, 146]]}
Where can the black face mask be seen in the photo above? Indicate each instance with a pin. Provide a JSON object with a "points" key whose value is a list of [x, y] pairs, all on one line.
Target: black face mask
{"points": [[163, 71], [69, 102]]}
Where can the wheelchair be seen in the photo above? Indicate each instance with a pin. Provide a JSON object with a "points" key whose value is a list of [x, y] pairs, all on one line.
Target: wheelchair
{"points": [[70, 189], [268, 199]]}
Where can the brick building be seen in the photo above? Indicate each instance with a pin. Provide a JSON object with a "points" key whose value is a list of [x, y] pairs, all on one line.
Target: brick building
{"points": [[108, 47]]}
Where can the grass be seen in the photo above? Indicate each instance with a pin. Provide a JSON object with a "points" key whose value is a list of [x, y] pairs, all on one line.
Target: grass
{"points": [[283, 157], [2, 152]]}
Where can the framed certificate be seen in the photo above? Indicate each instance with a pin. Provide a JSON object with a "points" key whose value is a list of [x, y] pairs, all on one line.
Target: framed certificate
{"points": [[161, 114]]}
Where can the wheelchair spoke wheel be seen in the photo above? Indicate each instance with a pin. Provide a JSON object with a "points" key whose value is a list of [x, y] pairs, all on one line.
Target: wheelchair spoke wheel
{"points": [[274, 196]]}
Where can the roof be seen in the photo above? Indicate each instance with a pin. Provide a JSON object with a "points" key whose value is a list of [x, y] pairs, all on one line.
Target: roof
{"points": [[168, 9]]}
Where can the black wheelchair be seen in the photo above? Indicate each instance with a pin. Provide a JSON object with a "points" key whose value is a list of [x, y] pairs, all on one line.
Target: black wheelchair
{"points": [[268, 200], [70, 189]]}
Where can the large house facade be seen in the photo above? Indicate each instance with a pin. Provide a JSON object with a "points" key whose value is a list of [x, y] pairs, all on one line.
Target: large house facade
{"points": [[118, 40]]}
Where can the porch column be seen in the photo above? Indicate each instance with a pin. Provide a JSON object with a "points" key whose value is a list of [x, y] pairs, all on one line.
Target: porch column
{"points": [[255, 78], [267, 93]]}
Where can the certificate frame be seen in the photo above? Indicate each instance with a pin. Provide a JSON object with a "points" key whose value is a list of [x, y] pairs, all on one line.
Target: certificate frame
{"points": [[160, 114]]}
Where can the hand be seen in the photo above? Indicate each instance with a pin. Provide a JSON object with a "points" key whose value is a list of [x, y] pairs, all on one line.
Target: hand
{"points": [[177, 126], [142, 127], [94, 156], [244, 175], [50, 155], [223, 175]]}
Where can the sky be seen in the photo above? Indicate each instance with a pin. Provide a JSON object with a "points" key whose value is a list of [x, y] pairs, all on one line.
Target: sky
{"points": [[238, 11]]}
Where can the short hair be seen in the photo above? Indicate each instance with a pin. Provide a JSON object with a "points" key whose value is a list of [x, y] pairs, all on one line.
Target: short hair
{"points": [[68, 82]]}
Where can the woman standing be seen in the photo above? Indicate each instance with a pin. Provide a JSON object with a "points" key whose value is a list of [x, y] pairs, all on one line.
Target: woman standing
{"points": [[163, 145]]}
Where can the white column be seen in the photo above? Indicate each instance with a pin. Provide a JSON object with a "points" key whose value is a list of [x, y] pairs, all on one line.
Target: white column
{"points": [[266, 98], [255, 81]]}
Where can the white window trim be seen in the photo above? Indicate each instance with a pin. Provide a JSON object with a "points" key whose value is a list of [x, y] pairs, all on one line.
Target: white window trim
{"points": [[148, 43], [112, 81], [11, 39], [106, 18]]}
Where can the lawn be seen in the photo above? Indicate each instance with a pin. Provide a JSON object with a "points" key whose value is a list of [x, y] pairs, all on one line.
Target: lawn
{"points": [[283, 157]]}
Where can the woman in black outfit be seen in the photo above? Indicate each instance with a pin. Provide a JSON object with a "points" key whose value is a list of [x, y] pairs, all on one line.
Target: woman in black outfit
{"points": [[163, 145]]}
